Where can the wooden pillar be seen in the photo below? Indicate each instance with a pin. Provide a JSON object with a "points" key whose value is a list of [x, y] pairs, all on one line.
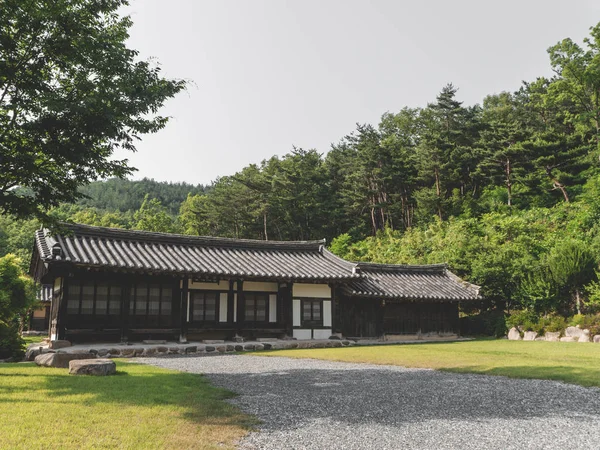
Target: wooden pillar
{"points": [[379, 315], [61, 314], [289, 310], [230, 302], [241, 307], [126, 295], [183, 308]]}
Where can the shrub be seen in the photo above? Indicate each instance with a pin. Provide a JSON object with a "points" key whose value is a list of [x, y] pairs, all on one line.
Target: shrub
{"points": [[487, 323], [553, 323], [526, 320], [11, 342]]}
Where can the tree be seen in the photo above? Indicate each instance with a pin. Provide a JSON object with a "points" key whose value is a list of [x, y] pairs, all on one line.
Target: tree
{"points": [[17, 296], [71, 93], [572, 266], [152, 216], [578, 80]]}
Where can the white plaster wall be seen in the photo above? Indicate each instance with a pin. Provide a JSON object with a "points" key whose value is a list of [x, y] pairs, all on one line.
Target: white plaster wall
{"points": [[296, 313], [321, 334], [273, 308], [259, 286], [303, 334], [223, 307], [327, 313], [311, 290], [222, 285]]}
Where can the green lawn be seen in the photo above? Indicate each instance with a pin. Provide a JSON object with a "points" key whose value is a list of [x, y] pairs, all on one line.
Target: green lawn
{"points": [[141, 407], [33, 339], [565, 361]]}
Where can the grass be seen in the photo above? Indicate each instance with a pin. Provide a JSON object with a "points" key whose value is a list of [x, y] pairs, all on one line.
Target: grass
{"points": [[141, 407], [33, 339], [563, 361]]}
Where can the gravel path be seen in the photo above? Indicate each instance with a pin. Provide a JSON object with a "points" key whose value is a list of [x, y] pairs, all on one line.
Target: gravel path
{"points": [[311, 404]]}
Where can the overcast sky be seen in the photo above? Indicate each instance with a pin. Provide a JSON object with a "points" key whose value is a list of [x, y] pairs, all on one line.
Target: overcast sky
{"points": [[267, 75]]}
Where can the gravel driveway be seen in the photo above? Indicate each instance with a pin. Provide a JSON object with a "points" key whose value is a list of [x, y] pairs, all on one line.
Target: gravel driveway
{"points": [[311, 404]]}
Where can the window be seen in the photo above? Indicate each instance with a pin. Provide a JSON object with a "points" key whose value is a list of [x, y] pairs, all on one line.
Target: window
{"points": [[151, 299], [204, 306], [312, 312], [93, 298], [256, 307]]}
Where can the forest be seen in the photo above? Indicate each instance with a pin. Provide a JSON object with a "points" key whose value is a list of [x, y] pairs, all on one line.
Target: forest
{"points": [[507, 192]]}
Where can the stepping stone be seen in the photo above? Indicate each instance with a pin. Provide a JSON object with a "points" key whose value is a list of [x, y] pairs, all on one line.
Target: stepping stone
{"points": [[59, 344], [98, 367], [60, 360]]}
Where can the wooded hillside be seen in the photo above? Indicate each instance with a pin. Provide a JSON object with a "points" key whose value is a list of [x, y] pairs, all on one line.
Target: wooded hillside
{"points": [[506, 191]]}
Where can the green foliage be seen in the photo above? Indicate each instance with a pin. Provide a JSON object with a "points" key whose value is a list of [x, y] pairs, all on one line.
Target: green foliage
{"points": [[152, 216], [525, 320], [17, 296], [71, 93]]}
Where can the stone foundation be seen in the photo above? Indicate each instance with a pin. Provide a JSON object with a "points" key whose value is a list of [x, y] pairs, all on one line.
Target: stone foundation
{"points": [[142, 350]]}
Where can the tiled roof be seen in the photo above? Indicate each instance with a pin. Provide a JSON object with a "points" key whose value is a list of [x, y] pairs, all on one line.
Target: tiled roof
{"points": [[141, 251], [432, 282], [195, 256]]}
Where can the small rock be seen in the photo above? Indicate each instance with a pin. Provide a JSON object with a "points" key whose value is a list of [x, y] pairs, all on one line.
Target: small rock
{"points": [[114, 352], [103, 352], [221, 348], [337, 344], [128, 352], [568, 339], [174, 350], [59, 344], [585, 336], [162, 349], [230, 348], [60, 360], [267, 346], [574, 332], [249, 347], [597, 339], [345, 343], [552, 336], [259, 347], [191, 349], [514, 335], [239, 348], [209, 348], [150, 351], [98, 367], [529, 336]]}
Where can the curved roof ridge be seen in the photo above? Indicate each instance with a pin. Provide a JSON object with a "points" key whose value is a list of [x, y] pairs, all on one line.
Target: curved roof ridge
{"points": [[399, 268], [134, 235]]}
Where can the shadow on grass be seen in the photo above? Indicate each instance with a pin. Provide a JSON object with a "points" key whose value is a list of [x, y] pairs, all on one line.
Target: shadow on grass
{"points": [[133, 385], [587, 377]]}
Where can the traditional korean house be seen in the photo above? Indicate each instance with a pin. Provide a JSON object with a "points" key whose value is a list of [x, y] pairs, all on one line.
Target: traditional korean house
{"points": [[121, 285]]}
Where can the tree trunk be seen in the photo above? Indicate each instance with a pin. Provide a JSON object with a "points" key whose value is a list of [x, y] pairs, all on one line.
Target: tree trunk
{"points": [[577, 301], [557, 184], [508, 182], [265, 225]]}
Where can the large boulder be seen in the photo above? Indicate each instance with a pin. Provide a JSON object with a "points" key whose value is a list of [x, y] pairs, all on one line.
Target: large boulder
{"points": [[597, 339], [32, 352], [60, 360], [514, 335], [585, 336], [568, 339], [574, 332], [529, 336], [552, 336], [99, 367], [59, 344]]}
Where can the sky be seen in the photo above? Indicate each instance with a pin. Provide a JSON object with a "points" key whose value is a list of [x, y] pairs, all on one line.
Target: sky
{"points": [[267, 75]]}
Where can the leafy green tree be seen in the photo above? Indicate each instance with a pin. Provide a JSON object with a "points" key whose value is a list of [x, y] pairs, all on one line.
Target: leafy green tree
{"points": [[577, 81], [152, 216], [17, 296], [71, 92], [572, 266]]}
